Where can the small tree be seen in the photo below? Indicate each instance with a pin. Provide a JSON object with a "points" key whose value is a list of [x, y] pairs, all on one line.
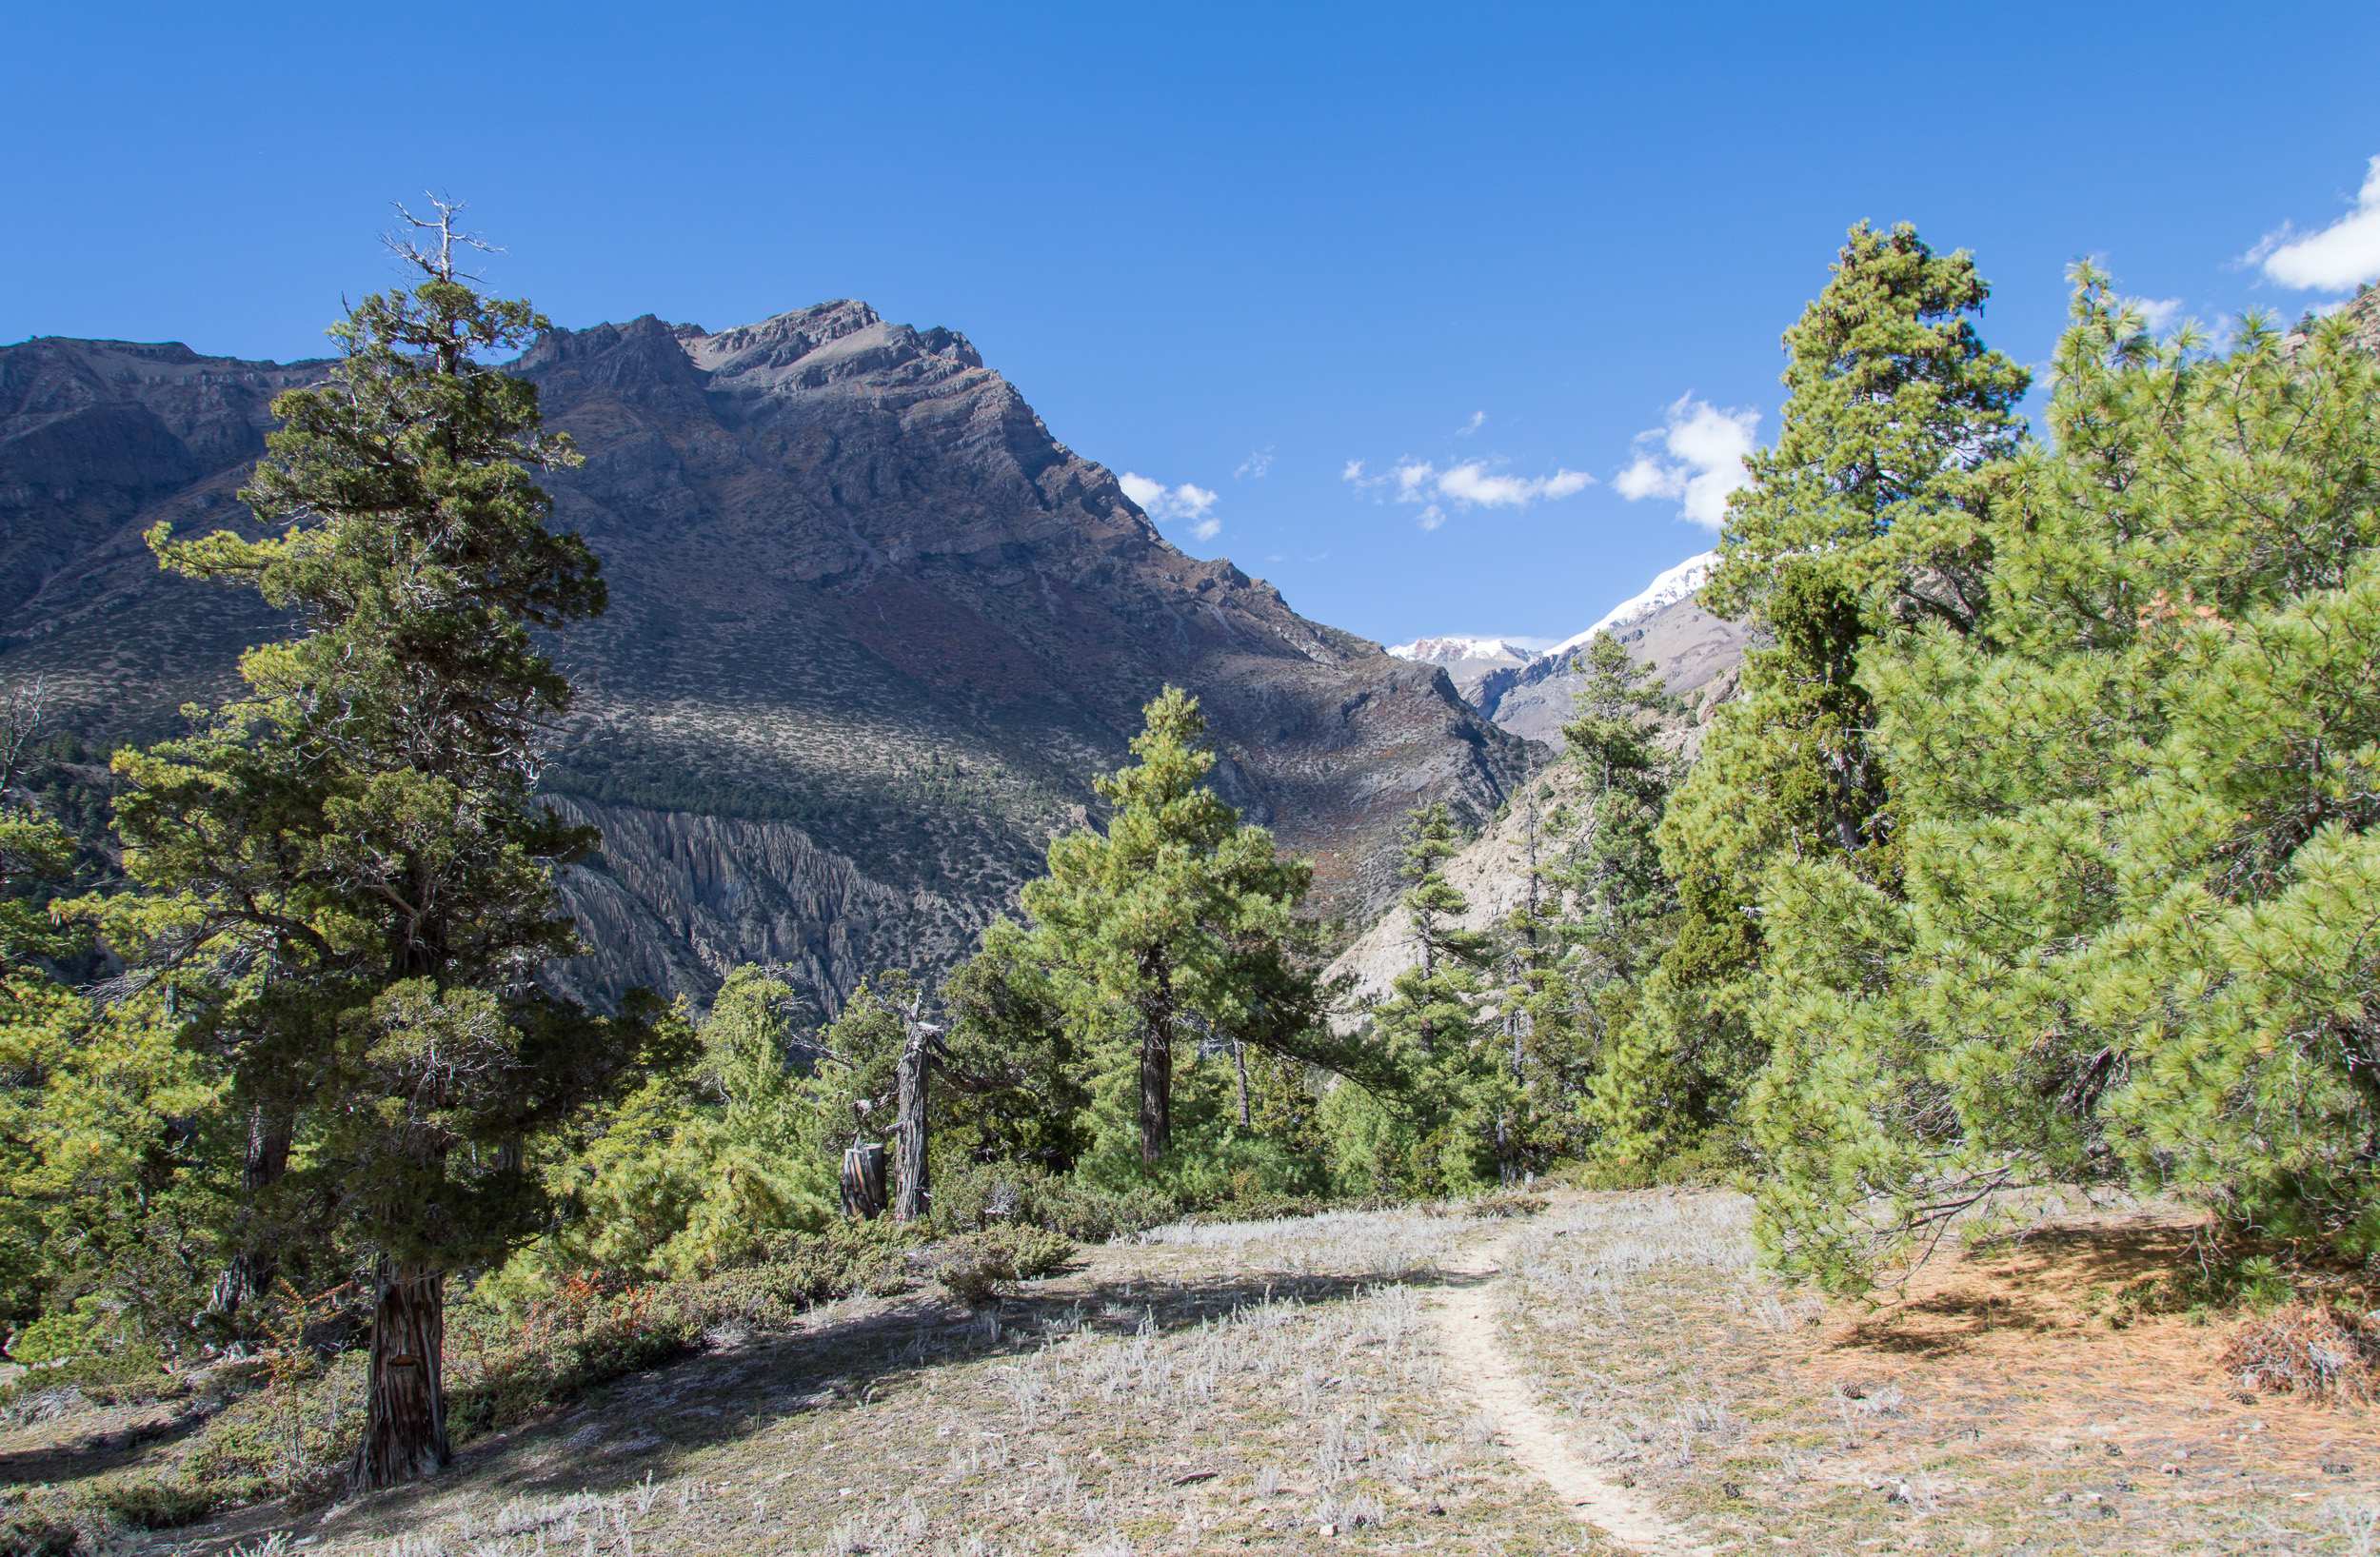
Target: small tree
{"points": [[1431, 1022], [347, 881], [1179, 911]]}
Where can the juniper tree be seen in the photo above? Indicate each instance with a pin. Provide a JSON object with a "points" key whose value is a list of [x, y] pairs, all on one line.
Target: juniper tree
{"points": [[346, 883]]}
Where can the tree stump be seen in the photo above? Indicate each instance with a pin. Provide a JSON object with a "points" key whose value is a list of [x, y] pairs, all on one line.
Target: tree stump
{"points": [[864, 1181]]}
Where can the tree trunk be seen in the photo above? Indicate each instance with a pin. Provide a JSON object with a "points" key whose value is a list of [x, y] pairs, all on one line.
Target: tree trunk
{"points": [[1157, 1086], [1239, 1062], [909, 1202], [864, 1182], [254, 1259], [404, 1421]]}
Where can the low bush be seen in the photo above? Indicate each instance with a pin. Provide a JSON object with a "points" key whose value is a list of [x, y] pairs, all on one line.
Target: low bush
{"points": [[969, 1197], [156, 1503], [25, 1532], [1503, 1203], [977, 1267]]}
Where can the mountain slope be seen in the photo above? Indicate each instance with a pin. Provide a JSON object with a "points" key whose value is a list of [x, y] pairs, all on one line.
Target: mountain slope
{"points": [[873, 630], [1664, 626]]}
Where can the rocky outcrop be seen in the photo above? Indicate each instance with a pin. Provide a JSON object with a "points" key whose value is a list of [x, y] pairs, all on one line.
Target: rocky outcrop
{"points": [[1685, 645], [873, 631]]}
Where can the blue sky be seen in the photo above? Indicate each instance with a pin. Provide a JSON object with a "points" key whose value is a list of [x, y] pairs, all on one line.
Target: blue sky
{"points": [[1472, 252]]}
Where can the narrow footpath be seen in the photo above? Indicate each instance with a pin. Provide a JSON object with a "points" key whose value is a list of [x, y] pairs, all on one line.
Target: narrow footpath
{"points": [[1477, 1361]]}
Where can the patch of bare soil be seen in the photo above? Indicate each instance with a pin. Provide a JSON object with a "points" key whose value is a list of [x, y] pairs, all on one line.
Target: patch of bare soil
{"points": [[2007, 1400]]}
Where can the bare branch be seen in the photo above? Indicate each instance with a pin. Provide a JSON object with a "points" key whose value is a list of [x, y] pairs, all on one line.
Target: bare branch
{"points": [[21, 718], [438, 263]]}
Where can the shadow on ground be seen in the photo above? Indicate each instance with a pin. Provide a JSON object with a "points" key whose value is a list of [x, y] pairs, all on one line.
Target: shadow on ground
{"points": [[647, 1425]]}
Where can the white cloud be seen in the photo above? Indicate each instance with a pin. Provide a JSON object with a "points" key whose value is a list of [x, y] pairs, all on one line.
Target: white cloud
{"points": [[1704, 449], [1256, 464], [2340, 256], [1431, 517], [1163, 504], [1478, 420], [1470, 484], [2158, 313]]}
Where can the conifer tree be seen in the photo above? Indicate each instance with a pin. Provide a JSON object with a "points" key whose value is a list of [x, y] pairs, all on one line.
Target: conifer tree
{"points": [[347, 881], [1431, 1023], [2140, 880], [1178, 917], [1870, 516]]}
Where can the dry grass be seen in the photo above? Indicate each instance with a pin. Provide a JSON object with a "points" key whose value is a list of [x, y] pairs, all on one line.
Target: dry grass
{"points": [[2006, 1401], [1202, 1389], [1243, 1387]]}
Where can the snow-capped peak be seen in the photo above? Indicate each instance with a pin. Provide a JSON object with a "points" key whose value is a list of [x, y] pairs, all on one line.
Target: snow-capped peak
{"points": [[1667, 589], [1450, 648]]}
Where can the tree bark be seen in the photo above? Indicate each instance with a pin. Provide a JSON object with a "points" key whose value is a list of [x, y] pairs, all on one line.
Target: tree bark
{"points": [[864, 1182], [254, 1262], [1157, 1085], [1239, 1062], [910, 1198], [404, 1421]]}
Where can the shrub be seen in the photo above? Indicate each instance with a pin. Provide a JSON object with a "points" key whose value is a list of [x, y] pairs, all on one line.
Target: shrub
{"points": [[2307, 1348], [969, 1197], [26, 1533], [163, 1504], [1504, 1203], [976, 1267]]}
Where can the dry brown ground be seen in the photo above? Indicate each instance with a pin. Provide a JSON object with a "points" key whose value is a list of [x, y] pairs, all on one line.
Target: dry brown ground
{"points": [[1995, 1405], [1282, 1388]]}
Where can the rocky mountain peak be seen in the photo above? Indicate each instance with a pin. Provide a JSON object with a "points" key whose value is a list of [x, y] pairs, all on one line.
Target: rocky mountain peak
{"points": [[873, 630]]}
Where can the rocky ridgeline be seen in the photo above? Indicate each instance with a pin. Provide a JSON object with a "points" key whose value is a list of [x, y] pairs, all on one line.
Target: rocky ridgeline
{"points": [[873, 631]]}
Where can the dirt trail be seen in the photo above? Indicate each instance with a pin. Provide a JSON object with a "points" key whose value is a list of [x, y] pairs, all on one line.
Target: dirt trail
{"points": [[1467, 1326]]}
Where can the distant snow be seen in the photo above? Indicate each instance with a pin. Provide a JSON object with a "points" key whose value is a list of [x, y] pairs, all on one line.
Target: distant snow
{"points": [[1446, 648], [1667, 589]]}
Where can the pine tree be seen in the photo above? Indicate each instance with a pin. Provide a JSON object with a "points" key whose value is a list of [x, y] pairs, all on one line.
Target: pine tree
{"points": [[2137, 811], [1431, 1022], [347, 884], [1895, 413], [1869, 519], [1178, 917]]}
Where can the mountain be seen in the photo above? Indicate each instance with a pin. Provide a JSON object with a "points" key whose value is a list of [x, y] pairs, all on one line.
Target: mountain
{"points": [[1530, 693], [1469, 661], [873, 631]]}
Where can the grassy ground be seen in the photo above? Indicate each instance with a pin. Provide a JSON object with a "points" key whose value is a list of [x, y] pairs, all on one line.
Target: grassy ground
{"points": [[2004, 1403], [1282, 1386]]}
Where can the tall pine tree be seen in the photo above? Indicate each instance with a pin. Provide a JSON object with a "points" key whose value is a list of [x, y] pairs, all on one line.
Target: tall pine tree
{"points": [[346, 883]]}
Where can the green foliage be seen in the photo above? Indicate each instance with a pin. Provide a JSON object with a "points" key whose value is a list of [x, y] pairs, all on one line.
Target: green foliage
{"points": [[344, 881], [1434, 1029], [1017, 1079], [977, 1266], [971, 1195], [697, 1169], [1872, 516], [1895, 417], [1173, 930], [2132, 933]]}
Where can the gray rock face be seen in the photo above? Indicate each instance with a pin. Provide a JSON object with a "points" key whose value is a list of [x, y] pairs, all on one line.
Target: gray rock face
{"points": [[873, 631], [1686, 644]]}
